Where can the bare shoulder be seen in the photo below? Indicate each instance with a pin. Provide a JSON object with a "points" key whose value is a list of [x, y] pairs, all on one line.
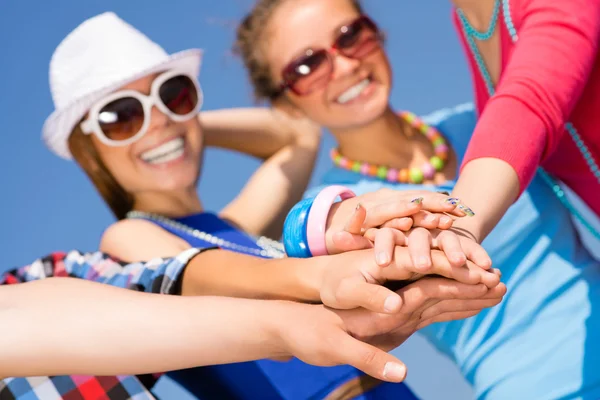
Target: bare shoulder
{"points": [[126, 227], [140, 240]]}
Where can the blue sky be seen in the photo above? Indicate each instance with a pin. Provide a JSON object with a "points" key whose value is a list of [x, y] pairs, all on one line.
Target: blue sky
{"points": [[48, 204]]}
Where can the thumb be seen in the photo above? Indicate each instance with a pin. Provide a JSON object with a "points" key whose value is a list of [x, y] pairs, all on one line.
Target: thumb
{"points": [[371, 360], [353, 293], [345, 241]]}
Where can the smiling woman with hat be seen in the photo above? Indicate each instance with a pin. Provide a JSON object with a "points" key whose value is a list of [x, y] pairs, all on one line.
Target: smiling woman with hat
{"points": [[148, 128]]}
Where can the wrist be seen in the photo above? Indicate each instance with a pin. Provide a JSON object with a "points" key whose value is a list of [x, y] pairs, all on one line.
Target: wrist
{"points": [[306, 230], [273, 321], [331, 249], [466, 228], [308, 275], [321, 216]]}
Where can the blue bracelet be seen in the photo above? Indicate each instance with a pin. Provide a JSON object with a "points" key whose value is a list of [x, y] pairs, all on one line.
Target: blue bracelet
{"points": [[295, 241]]}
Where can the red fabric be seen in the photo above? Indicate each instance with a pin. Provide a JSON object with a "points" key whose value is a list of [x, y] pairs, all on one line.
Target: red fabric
{"points": [[549, 77]]}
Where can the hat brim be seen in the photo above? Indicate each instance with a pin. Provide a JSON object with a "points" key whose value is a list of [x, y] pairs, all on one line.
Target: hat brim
{"points": [[59, 125]]}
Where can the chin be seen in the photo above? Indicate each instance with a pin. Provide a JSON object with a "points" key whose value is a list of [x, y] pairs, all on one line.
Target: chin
{"points": [[372, 111], [176, 185]]}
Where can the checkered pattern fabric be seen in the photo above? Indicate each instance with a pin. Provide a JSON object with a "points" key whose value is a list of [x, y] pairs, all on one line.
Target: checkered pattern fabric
{"points": [[74, 388], [156, 276]]}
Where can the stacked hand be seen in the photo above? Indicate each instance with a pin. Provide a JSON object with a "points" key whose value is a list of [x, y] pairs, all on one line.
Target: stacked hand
{"points": [[390, 236], [325, 336], [386, 218]]}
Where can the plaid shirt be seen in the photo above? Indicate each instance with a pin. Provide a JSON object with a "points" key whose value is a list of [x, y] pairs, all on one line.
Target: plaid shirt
{"points": [[156, 276]]}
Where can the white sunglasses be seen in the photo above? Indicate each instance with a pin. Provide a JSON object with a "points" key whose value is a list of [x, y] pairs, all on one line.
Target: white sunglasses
{"points": [[123, 117]]}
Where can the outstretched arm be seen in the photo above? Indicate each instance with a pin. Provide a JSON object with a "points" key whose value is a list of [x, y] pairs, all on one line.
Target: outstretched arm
{"points": [[111, 331]]}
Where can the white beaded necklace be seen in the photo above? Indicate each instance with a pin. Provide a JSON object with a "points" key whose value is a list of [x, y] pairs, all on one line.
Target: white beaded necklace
{"points": [[269, 248]]}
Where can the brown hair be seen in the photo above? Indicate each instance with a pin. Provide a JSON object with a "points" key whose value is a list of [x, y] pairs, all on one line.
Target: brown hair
{"points": [[84, 152], [250, 36]]}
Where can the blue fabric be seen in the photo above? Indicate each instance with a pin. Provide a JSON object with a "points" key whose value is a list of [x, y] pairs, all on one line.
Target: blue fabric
{"points": [[541, 342], [265, 379]]}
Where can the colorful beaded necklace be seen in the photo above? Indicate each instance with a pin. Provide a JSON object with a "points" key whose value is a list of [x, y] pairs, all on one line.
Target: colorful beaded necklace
{"points": [[404, 175]]}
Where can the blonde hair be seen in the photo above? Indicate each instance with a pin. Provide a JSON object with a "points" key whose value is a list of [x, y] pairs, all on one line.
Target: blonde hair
{"points": [[84, 152]]}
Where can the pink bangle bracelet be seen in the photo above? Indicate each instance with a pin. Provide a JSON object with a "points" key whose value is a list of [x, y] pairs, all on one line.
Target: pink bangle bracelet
{"points": [[317, 218]]}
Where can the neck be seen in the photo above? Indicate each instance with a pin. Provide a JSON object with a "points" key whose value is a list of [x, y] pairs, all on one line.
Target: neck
{"points": [[389, 141], [478, 12], [170, 204]]}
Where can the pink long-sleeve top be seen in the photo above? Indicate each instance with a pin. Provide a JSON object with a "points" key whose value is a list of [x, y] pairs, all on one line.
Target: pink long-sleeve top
{"points": [[550, 76]]}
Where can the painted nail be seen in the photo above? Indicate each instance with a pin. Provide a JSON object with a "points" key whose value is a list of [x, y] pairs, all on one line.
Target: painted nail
{"points": [[418, 200], [382, 258], [394, 371], [452, 200], [466, 210], [392, 303]]}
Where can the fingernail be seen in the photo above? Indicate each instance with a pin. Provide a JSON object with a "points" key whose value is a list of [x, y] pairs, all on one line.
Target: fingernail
{"points": [[392, 303], [452, 200], [466, 210], [382, 258], [418, 200], [394, 371], [446, 220], [430, 218]]}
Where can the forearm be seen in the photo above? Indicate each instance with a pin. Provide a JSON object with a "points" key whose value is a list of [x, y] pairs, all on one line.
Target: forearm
{"points": [[260, 209], [224, 273], [259, 132], [126, 332], [489, 187], [548, 70]]}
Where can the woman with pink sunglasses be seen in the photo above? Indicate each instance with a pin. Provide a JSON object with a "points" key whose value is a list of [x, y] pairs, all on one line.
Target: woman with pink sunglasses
{"points": [[537, 344]]}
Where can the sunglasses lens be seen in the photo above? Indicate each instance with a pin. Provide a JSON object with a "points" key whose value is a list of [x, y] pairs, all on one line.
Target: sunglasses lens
{"points": [[312, 71], [121, 119], [179, 94], [309, 72], [358, 39]]}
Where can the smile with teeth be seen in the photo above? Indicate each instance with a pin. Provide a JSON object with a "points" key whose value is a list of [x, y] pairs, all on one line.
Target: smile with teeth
{"points": [[169, 151], [354, 91]]}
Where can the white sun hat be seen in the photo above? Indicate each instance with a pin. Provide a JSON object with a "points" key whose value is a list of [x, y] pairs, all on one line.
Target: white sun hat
{"points": [[101, 55]]}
